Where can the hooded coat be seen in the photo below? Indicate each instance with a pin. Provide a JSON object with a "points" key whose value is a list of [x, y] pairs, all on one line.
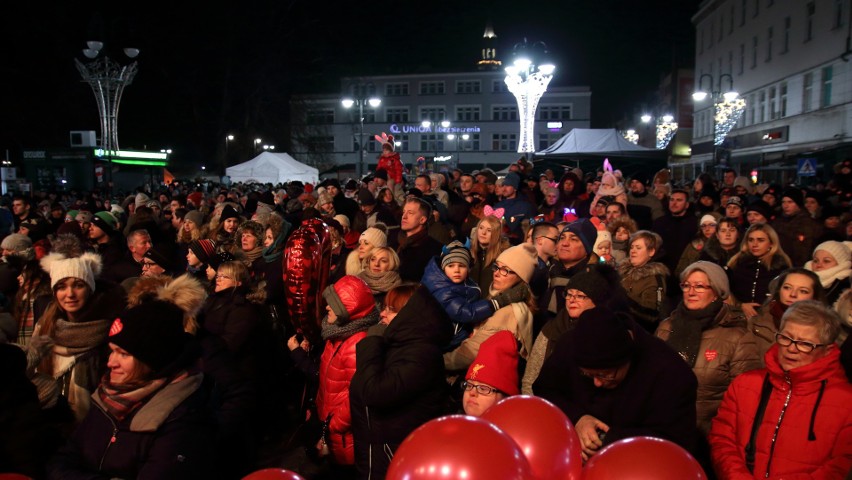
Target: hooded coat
{"points": [[806, 430], [399, 382]]}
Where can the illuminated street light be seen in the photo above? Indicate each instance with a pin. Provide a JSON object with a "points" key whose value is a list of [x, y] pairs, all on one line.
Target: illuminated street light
{"points": [[527, 79], [360, 90], [727, 107]]}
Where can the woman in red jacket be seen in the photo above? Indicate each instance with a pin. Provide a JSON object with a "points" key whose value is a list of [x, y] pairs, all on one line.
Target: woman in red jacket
{"points": [[793, 418], [351, 311]]}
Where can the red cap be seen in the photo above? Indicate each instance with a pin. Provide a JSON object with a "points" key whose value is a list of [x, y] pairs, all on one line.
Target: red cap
{"points": [[496, 363]]}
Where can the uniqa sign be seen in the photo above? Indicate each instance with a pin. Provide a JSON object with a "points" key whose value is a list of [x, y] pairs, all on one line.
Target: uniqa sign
{"points": [[396, 129]]}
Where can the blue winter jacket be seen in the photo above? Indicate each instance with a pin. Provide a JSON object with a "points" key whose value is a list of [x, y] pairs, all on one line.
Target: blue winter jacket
{"points": [[461, 301]]}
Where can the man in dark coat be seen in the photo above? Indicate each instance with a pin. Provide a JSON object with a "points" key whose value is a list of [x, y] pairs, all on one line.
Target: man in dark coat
{"points": [[677, 228], [416, 247], [342, 204], [399, 381], [615, 381], [797, 231]]}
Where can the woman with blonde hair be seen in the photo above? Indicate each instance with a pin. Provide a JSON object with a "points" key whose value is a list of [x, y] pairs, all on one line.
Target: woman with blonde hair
{"points": [[486, 244], [380, 272], [759, 261], [191, 228], [375, 236]]}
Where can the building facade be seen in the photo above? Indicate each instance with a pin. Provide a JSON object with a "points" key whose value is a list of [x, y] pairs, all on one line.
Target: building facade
{"points": [[482, 115], [789, 60]]}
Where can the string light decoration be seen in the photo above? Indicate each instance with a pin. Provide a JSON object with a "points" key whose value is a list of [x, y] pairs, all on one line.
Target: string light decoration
{"points": [[631, 136], [666, 128], [728, 113], [528, 81]]}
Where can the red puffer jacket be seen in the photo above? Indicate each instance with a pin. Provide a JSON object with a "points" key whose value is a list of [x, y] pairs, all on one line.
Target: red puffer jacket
{"points": [[814, 429], [337, 366], [393, 165]]}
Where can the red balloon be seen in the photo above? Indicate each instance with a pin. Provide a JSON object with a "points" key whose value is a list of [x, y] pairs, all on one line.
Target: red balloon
{"points": [[273, 474], [458, 446], [543, 432], [643, 458], [14, 476]]}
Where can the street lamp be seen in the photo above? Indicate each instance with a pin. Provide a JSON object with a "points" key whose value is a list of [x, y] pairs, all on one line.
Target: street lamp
{"points": [[107, 78], [257, 143], [665, 129], [727, 107], [360, 99], [269, 147], [458, 138], [166, 150], [527, 79]]}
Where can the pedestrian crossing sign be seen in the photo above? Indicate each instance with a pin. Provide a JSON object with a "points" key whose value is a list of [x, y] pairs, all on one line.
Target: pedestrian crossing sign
{"points": [[807, 167]]}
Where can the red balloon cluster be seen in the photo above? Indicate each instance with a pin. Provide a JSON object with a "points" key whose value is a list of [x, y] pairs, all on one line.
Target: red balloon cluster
{"points": [[543, 433], [306, 266], [273, 474], [459, 446], [643, 458]]}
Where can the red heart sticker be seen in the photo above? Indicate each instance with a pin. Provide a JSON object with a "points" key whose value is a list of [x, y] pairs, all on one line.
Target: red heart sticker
{"points": [[710, 355], [116, 327], [801, 238]]}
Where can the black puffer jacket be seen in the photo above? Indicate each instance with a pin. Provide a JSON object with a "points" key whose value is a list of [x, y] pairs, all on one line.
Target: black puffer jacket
{"points": [[399, 382], [750, 277]]}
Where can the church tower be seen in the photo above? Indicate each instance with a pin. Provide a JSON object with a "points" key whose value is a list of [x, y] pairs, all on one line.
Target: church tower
{"points": [[488, 60]]}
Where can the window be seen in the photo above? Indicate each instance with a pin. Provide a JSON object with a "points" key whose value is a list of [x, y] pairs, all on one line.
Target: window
{"points": [[785, 44], [499, 86], [730, 60], [396, 114], [754, 44], [782, 93], [810, 12], [742, 58], [731, 23], [467, 113], [554, 112], [431, 142], [321, 144], [372, 144], [433, 114], [369, 115], [761, 106], [547, 139], [403, 142], [711, 32], [472, 143], [504, 113], [808, 92], [721, 26], [742, 12], [839, 16], [468, 86], [504, 142], [701, 41], [319, 116], [750, 110], [756, 8], [431, 88], [769, 44], [396, 89], [773, 111], [825, 91]]}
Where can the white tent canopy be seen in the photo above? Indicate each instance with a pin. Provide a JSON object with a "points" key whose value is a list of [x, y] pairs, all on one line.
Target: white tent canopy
{"points": [[595, 141], [272, 168]]}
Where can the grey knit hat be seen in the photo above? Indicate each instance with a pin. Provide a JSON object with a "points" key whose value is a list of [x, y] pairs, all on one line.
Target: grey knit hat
{"points": [[455, 252], [195, 217], [718, 278], [16, 242]]}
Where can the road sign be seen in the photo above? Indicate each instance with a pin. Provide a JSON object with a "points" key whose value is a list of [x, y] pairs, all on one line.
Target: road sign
{"points": [[807, 167]]}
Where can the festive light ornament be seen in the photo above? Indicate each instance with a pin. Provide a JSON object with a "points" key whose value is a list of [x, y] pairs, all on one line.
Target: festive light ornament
{"points": [[665, 132], [728, 113], [631, 136]]}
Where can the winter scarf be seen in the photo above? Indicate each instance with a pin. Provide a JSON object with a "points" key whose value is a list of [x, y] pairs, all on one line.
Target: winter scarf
{"points": [[415, 239], [333, 331], [75, 338], [380, 282], [828, 277], [687, 326], [777, 309], [253, 254], [556, 328], [121, 400], [274, 252]]}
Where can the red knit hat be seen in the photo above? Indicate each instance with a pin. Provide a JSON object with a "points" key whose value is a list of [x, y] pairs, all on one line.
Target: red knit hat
{"points": [[496, 363]]}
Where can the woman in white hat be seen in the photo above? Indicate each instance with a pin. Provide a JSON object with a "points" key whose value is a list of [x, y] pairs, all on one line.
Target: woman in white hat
{"points": [[832, 262]]}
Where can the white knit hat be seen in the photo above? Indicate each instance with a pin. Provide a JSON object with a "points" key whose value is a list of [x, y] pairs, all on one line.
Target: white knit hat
{"points": [[342, 219], [376, 235], [85, 267], [838, 250], [141, 199], [707, 219], [521, 259], [603, 236], [16, 242]]}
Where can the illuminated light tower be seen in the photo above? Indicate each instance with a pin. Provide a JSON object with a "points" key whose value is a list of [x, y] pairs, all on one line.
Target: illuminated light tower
{"points": [[527, 79], [108, 79], [361, 98], [727, 107]]}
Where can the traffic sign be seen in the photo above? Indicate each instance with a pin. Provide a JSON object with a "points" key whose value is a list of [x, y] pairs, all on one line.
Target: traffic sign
{"points": [[807, 167]]}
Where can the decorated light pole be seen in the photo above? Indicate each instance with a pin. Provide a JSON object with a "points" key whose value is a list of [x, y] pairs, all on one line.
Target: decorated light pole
{"points": [[107, 79], [360, 99], [527, 79], [727, 107]]}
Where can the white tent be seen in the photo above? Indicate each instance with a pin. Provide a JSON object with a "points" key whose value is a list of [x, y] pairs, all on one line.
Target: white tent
{"points": [[272, 168], [596, 141]]}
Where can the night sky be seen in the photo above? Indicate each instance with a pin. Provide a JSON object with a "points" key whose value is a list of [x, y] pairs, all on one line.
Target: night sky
{"points": [[208, 69]]}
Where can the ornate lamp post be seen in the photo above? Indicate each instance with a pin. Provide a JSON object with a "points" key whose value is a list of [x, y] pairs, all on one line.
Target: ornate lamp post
{"points": [[665, 130], [107, 79], [727, 107], [527, 79], [360, 99]]}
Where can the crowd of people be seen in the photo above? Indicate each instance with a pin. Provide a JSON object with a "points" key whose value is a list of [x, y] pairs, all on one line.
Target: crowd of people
{"points": [[150, 336]]}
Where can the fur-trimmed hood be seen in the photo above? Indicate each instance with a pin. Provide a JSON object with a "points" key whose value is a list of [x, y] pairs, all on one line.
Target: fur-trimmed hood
{"points": [[650, 269]]}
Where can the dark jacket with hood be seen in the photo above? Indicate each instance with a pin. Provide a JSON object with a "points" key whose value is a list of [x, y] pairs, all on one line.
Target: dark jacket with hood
{"points": [[399, 382]]}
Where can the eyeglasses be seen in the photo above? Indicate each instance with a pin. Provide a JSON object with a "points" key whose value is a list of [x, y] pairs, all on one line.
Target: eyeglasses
{"points": [[552, 239], [698, 287], [480, 389], [503, 270], [579, 296], [608, 377], [801, 346]]}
